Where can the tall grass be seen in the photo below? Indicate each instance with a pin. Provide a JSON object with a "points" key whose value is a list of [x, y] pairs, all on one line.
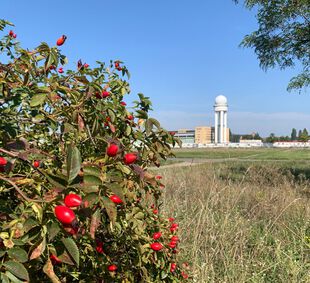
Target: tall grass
{"points": [[241, 223]]}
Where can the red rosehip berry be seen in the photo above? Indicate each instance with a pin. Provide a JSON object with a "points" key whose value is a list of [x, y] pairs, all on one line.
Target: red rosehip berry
{"points": [[175, 238], [60, 70], [11, 33], [116, 64], [14, 35], [73, 200], [123, 103], [112, 150], [156, 246], [155, 211], [130, 158], [55, 260], [174, 227], [64, 214], [184, 275], [172, 245], [171, 219], [61, 40], [52, 67], [157, 235], [119, 68], [86, 65], [116, 199], [105, 94], [130, 117], [112, 267], [36, 163], [99, 248], [3, 161], [173, 267], [158, 177]]}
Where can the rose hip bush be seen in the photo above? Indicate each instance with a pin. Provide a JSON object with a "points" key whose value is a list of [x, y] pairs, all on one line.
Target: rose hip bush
{"points": [[78, 203]]}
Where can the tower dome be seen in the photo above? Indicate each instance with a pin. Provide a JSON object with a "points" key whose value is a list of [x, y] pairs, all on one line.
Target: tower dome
{"points": [[220, 100]]}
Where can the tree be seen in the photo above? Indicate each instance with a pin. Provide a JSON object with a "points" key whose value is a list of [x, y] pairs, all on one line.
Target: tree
{"points": [[304, 136], [282, 38], [293, 135], [78, 202], [299, 134], [272, 138]]}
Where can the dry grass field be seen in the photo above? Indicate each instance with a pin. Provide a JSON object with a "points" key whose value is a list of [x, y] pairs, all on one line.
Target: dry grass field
{"points": [[242, 221]]}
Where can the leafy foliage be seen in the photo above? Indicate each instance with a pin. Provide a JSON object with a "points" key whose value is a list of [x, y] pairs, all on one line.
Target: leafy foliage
{"points": [[55, 129], [282, 38]]}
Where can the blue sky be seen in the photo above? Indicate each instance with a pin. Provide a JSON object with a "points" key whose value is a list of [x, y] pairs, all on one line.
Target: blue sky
{"points": [[180, 53]]}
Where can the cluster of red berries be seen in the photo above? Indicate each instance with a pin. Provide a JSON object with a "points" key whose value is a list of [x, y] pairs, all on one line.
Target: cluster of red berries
{"points": [[113, 150], [117, 66], [12, 34]]}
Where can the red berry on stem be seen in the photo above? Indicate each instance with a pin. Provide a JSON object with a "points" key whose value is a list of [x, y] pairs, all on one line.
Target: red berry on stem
{"points": [[173, 267], [174, 227], [36, 163], [116, 199], [112, 150], [61, 40], [158, 177], [123, 103], [175, 238], [157, 235], [86, 65], [105, 94], [184, 275], [3, 161], [130, 158], [73, 200], [171, 219], [155, 211], [60, 70], [112, 267], [11, 33], [156, 246], [99, 248], [64, 214], [55, 259]]}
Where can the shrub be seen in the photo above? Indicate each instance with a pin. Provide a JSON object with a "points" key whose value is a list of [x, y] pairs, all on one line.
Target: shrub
{"points": [[75, 190]]}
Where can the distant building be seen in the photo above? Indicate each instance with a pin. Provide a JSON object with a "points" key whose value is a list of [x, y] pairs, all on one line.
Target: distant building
{"points": [[220, 119], [252, 143], [204, 135]]}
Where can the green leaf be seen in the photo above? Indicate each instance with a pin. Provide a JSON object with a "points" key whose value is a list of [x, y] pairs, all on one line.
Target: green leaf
{"points": [[90, 180], [155, 122], [73, 162], [57, 181], [123, 168], [92, 170], [37, 99], [72, 249], [48, 62], [17, 269], [12, 278], [111, 115], [18, 254], [53, 230], [110, 208]]}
